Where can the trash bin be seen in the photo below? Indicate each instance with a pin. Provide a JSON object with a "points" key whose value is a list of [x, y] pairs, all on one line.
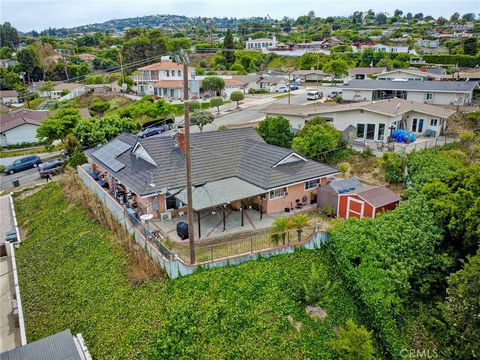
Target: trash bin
{"points": [[15, 183]]}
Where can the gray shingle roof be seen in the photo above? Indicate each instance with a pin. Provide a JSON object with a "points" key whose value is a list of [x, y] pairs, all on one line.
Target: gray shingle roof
{"points": [[59, 346], [377, 196], [446, 86], [345, 185], [216, 155]]}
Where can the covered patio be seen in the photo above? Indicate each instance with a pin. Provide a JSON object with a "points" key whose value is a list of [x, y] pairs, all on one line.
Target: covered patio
{"points": [[222, 207]]}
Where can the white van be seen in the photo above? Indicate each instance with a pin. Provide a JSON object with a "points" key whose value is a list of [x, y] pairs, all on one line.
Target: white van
{"points": [[314, 95]]}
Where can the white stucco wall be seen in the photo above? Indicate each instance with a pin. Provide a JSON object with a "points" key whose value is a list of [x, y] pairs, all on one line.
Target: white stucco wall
{"points": [[398, 74], [356, 95], [22, 133]]}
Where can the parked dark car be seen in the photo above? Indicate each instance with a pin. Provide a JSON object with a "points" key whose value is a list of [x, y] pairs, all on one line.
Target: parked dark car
{"points": [[154, 130], [182, 230], [293, 86], [52, 167], [24, 163]]}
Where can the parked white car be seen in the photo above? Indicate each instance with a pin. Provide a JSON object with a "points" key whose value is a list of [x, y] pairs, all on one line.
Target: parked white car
{"points": [[282, 88], [314, 95]]}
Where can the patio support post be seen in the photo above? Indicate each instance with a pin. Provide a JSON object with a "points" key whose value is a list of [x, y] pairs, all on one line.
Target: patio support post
{"points": [[261, 211], [224, 228], [241, 209], [199, 228]]}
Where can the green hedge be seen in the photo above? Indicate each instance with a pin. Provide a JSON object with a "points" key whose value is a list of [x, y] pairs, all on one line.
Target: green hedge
{"points": [[451, 59]]}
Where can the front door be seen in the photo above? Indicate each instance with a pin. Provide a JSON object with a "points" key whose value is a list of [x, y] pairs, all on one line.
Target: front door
{"points": [[414, 125], [370, 132], [355, 208]]}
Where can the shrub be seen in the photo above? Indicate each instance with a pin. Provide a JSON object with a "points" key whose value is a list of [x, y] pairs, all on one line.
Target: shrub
{"points": [[394, 165], [353, 342], [78, 158], [237, 96], [276, 131], [2, 169]]}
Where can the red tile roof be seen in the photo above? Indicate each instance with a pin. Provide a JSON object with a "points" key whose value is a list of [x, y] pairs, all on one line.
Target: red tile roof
{"points": [[233, 82], [169, 84], [164, 65], [367, 70]]}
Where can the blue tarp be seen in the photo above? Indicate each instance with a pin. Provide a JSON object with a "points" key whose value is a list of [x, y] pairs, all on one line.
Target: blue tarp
{"points": [[401, 136]]}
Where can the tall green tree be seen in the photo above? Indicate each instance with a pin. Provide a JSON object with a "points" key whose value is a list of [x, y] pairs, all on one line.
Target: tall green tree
{"points": [[26, 59], [228, 48], [336, 68], [8, 36], [317, 139], [213, 84], [470, 46], [59, 125], [276, 131]]}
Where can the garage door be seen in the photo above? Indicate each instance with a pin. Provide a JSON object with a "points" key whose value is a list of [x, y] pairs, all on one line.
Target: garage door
{"points": [[355, 208]]}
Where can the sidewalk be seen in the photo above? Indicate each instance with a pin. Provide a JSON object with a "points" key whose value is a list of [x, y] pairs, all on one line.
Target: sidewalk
{"points": [[9, 332]]}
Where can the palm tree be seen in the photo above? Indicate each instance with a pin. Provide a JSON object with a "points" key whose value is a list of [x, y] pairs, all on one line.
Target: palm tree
{"points": [[299, 222], [279, 228]]}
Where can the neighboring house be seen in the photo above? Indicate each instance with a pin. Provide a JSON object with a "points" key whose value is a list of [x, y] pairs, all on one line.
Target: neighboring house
{"points": [[350, 198], [232, 85], [425, 43], [86, 57], [59, 346], [468, 75], [311, 75], [362, 73], [411, 74], [59, 89], [271, 83], [260, 44], [21, 125], [9, 97], [164, 79], [228, 167], [370, 120], [394, 49], [251, 81], [431, 92]]}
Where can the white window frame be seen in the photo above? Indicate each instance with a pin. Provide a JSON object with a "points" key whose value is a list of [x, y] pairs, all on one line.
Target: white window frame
{"points": [[277, 193], [429, 96], [308, 183]]}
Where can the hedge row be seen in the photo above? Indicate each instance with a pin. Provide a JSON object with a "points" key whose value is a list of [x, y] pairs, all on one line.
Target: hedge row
{"points": [[452, 59]]}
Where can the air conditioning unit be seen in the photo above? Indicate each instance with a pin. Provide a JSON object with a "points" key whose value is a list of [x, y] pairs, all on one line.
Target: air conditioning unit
{"points": [[166, 216]]}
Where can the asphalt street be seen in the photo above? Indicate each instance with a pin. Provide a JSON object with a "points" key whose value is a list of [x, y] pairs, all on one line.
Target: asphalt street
{"points": [[24, 177]]}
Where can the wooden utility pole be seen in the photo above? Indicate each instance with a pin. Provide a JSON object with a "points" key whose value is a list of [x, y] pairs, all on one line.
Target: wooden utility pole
{"points": [[188, 162], [289, 88]]}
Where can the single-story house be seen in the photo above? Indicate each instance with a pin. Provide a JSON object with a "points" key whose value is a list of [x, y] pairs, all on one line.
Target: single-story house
{"points": [[271, 83], [394, 49], [350, 198], [232, 85], [59, 89], [21, 125], [60, 346], [9, 97], [411, 74], [228, 167], [468, 75], [371, 119], [362, 73], [252, 81], [311, 75], [431, 92]]}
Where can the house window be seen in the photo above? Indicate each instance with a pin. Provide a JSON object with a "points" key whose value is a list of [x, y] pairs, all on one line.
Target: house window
{"points": [[171, 203], [429, 96], [381, 132], [360, 131], [179, 73], [433, 122], [278, 193], [168, 73], [311, 184], [414, 125]]}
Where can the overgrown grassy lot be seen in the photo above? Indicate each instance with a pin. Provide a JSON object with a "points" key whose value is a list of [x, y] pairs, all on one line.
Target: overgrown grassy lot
{"points": [[74, 275]]}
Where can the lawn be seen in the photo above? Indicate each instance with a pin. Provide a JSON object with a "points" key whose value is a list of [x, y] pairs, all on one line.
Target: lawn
{"points": [[74, 275]]}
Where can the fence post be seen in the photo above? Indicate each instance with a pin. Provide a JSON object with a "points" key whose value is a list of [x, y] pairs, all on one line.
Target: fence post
{"points": [[211, 253], [436, 140], [251, 245], [445, 140]]}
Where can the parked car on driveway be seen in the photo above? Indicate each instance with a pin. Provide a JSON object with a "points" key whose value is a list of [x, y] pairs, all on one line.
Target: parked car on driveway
{"points": [[293, 86], [282, 88], [52, 167], [314, 95], [154, 130], [25, 163]]}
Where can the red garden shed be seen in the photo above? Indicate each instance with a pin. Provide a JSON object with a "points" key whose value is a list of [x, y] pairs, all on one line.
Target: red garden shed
{"points": [[366, 201]]}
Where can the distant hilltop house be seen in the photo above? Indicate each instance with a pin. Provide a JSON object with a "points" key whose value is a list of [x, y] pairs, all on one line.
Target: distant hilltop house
{"points": [[393, 49], [431, 92], [299, 49], [260, 44], [369, 120], [228, 167], [9, 97], [21, 125], [59, 89], [86, 57], [426, 43]]}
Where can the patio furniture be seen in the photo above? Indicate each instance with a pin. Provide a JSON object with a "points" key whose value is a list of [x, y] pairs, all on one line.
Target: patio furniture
{"points": [[182, 230]]}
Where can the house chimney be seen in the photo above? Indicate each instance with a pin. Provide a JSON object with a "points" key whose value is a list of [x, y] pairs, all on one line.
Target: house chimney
{"points": [[181, 140]]}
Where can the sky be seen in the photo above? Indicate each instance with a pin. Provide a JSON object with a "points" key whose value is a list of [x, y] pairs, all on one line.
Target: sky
{"points": [[28, 15]]}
